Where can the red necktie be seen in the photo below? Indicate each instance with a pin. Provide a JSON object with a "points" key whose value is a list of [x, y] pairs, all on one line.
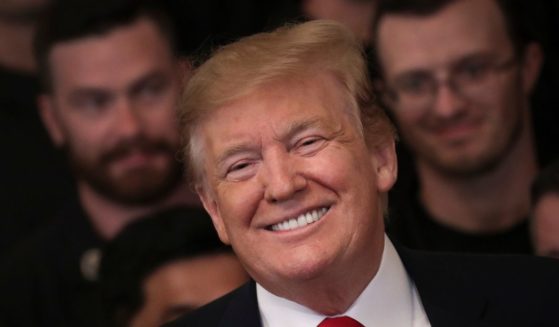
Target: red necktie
{"points": [[343, 321]]}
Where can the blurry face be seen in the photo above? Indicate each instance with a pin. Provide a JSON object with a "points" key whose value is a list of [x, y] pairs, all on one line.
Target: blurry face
{"points": [[113, 109], [185, 285], [457, 134], [545, 225], [290, 183]]}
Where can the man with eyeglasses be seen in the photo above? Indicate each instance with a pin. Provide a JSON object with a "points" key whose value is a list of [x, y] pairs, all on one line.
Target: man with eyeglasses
{"points": [[458, 75]]}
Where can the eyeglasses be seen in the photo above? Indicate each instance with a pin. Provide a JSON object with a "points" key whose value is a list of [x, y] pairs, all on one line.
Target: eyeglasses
{"points": [[469, 78]]}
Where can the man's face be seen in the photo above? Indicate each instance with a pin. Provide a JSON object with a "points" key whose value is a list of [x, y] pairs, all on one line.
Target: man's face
{"points": [[184, 285], [459, 132], [545, 216], [113, 109], [291, 184]]}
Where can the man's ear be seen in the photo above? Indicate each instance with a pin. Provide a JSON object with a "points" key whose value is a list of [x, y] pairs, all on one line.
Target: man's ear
{"points": [[386, 165], [185, 70], [50, 119], [211, 207], [385, 96], [532, 61]]}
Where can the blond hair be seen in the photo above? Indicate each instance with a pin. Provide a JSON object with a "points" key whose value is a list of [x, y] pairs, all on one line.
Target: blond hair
{"points": [[298, 51]]}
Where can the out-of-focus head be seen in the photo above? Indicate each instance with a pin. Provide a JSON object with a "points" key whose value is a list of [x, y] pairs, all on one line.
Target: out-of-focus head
{"points": [[458, 75], [162, 266], [22, 11], [111, 81], [545, 212], [357, 15], [290, 154]]}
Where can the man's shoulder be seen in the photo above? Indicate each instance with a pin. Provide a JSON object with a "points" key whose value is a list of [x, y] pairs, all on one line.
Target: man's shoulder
{"points": [[484, 266], [499, 289], [238, 308]]}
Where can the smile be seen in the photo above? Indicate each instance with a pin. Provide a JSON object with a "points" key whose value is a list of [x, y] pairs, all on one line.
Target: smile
{"points": [[300, 221]]}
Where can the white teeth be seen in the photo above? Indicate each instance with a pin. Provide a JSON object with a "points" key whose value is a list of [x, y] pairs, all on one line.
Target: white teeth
{"points": [[309, 218], [301, 221]]}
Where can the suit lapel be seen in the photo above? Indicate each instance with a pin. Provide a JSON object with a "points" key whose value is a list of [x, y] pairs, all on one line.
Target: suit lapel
{"points": [[446, 294], [243, 309]]}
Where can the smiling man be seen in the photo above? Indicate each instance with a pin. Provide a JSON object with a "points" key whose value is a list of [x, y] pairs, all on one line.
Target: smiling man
{"points": [[111, 83], [293, 161], [458, 76]]}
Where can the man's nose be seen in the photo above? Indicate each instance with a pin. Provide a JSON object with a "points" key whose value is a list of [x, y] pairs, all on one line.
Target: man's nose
{"points": [[128, 122], [448, 101], [281, 179]]}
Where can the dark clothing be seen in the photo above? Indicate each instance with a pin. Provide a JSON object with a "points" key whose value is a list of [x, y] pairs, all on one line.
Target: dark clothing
{"points": [[411, 225], [455, 289], [41, 280], [34, 179], [50, 279]]}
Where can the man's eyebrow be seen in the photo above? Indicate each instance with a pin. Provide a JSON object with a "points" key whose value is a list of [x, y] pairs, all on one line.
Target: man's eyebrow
{"points": [[89, 91], [297, 127], [138, 84], [233, 150], [292, 130]]}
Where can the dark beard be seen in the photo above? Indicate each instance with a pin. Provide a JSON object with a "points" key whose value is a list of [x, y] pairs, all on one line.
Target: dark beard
{"points": [[137, 187]]}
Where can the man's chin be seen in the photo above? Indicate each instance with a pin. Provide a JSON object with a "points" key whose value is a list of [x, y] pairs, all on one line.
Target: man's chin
{"points": [[465, 166]]}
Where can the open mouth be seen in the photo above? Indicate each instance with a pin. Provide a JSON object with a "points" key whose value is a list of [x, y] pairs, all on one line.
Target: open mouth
{"points": [[300, 221]]}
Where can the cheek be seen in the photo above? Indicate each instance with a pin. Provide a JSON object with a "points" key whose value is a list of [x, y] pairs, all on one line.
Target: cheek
{"points": [[87, 140], [340, 169], [238, 203], [407, 122], [163, 124]]}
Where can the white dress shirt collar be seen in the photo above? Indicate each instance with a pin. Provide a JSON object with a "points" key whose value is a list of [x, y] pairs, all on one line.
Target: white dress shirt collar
{"points": [[390, 299]]}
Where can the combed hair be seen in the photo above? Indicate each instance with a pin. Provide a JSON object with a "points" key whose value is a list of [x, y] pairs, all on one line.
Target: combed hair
{"points": [[69, 20], [522, 18], [293, 52]]}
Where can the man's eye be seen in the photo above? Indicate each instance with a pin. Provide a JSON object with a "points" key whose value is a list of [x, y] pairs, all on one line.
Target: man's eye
{"points": [[473, 70], [240, 170], [239, 166], [152, 89], [412, 85], [309, 145], [93, 104]]}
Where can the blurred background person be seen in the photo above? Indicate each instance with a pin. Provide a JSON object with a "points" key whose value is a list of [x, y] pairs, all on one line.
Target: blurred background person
{"points": [[545, 212], [160, 267], [30, 192], [111, 80], [357, 15], [458, 76]]}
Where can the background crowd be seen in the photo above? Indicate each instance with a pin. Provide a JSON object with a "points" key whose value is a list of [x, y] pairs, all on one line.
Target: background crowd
{"points": [[98, 224]]}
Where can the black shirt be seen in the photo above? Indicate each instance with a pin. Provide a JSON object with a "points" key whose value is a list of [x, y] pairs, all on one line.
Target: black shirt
{"points": [[414, 228], [41, 280], [34, 179], [410, 224]]}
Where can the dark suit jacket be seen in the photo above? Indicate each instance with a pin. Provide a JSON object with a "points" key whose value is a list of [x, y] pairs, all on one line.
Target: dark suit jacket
{"points": [[456, 290]]}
